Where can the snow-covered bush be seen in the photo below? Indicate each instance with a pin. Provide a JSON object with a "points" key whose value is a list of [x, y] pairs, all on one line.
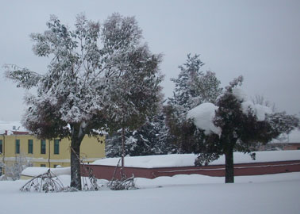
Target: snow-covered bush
{"points": [[14, 169], [236, 124]]}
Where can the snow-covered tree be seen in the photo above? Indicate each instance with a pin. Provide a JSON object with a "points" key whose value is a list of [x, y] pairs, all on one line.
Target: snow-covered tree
{"points": [[236, 124], [134, 82], [96, 74], [192, 87], [150, 139]]}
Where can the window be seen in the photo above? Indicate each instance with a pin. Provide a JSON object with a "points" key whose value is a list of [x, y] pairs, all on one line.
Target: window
{"points": [[0, 146], [43, 146], [56, 146], [17, 146], [30, 146], [43, 165]]}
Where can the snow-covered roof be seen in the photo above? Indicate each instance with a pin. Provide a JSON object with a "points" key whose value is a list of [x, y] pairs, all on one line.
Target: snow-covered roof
{"points": [[181, 160], [292, 137], [11, 126]]}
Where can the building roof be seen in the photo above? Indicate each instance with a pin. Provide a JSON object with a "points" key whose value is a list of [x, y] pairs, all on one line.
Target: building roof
{"points": [[292, 137], [12, 127]]}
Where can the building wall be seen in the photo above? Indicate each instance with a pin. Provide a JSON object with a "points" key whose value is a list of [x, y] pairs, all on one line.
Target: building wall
{"points": [[91, 150], [279, 146], [294, 146]]}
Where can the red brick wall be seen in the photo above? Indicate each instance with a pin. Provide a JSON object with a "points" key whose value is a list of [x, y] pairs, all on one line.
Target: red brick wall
{"points": [[107, 172]]}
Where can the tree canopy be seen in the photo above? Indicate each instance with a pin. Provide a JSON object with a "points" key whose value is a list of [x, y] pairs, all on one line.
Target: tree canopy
{"points": [[99, 76], [240, 124]]}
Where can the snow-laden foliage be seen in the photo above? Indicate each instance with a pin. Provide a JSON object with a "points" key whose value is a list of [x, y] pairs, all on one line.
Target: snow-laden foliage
{"points": [[22, 76], [99, 76], [150, 139], [133, 78], [134, 92], [192, 88], [240, 124], [203, 116]]}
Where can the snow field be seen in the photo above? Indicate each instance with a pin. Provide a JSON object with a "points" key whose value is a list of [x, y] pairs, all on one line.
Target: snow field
{"points": [[179, 194]]}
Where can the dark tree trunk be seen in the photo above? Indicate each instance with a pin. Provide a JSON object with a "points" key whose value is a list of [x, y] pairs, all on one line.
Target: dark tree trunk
{"points": [[77, 137], [123, 153], [229, 167], [75, 167]]}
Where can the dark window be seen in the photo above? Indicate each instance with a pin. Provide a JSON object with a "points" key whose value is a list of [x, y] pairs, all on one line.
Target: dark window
{"points": [[30, 146], [56, 146], [43, 165], [17, 146], [0, 146], [43, 146]]}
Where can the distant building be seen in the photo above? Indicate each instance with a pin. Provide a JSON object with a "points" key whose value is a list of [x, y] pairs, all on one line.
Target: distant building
{"points": [[289, 141], [19, 146]]}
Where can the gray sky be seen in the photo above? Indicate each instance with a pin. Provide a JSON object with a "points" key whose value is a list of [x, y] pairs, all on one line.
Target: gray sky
{"points": [[259, 39]]}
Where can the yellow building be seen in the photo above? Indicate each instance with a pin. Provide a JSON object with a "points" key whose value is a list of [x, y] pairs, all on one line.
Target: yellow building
{"points": [[27, 148]]}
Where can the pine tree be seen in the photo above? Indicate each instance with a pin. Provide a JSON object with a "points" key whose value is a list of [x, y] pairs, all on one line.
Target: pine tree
{"points": [[185, 83], [192, 87], [150, 139]]}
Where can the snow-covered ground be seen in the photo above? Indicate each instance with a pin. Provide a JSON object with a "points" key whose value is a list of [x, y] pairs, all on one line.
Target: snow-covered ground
{"points": [[35, 171], [265, 194]]}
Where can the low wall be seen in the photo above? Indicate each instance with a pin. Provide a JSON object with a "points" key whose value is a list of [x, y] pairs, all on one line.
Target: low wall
{"points": [[107, 172]]}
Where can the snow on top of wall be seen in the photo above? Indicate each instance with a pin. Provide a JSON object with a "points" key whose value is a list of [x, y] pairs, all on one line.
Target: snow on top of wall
{"points": [[203, 116], [181, 160], [151, 161], [35, 171]]}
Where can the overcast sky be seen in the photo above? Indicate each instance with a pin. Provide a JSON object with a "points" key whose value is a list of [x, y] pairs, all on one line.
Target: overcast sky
{"points": [[259, 39]]}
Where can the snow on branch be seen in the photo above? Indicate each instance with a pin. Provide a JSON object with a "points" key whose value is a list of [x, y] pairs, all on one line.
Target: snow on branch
{"points": [[236, 82], [22, 76], [203, 116]]}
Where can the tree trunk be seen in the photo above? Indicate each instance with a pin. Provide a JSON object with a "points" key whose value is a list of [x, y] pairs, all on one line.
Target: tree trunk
{"points": [[123, 153], [229, 171], [77, 137], [75, 167]]}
